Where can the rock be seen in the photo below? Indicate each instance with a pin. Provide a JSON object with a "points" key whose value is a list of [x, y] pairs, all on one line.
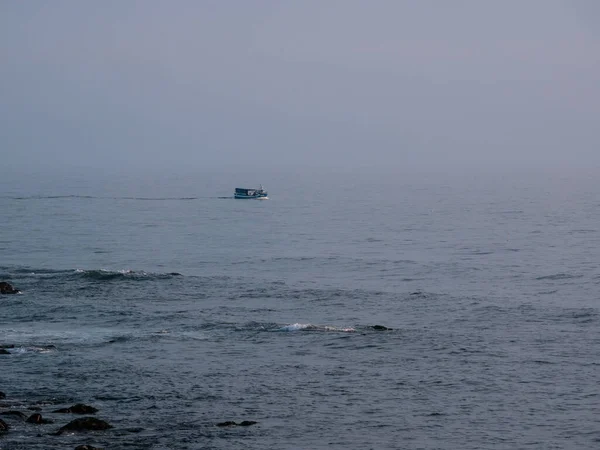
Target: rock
{"points": [[381, 328], [7, 345], [78, 408], [85, 424], [6, 288], [18, 414], [247, 423], [87, 447], [3, 427], [419, 294], [37, 419], [2, 395], [229, 423]]}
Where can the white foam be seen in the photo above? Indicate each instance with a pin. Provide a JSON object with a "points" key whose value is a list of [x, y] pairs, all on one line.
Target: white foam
{"points": [[296, 327], [343, 329], [308, 326]]}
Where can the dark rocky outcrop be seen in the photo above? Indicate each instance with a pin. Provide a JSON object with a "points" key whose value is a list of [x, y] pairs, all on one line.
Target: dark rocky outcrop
{"points": [[231, 423], [381, 328], [4, 351], [6, 288], [38, 419], [247, 423], [85, 424], [14, 413], [3, 427], [78, 408]]}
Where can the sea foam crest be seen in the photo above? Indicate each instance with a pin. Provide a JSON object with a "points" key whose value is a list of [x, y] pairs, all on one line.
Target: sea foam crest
{"points": [[296, 327], [311, 327], [103, 274]]}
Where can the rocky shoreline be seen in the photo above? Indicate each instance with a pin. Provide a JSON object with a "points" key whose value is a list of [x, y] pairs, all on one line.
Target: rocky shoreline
{"points": [[12, 418]]}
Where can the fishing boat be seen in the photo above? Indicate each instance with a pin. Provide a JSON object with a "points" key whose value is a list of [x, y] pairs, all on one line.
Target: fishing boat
{"points": [[259, 194]]}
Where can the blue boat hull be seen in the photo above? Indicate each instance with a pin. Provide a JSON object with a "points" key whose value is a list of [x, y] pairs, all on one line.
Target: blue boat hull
{"points": [[250, 193], [240, 196]]}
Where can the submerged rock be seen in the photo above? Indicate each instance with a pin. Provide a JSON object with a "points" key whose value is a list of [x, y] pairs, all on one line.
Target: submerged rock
{"points": [[381, 328], [3, 351], [38, 419], [231, 423], [78, 408], [14, 413], [87, 447], [3, 427], [419, 294], [85, 424], [6, 288], [247, 423], [2, 395]]}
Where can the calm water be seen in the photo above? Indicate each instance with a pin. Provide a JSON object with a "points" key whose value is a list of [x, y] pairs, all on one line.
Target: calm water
{"points": [[171, 309]]}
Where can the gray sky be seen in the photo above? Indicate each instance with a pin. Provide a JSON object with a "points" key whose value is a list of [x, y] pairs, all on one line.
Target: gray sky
{"points": [[334, 83]]}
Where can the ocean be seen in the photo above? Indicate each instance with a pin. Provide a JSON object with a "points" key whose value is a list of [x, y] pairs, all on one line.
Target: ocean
{"points": [[348, 311]]}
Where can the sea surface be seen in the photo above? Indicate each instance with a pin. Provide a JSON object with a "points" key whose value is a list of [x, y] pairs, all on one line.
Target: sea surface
{"points": [[172, 308]]}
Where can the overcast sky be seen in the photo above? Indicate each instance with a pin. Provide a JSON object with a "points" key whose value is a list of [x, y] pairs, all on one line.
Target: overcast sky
{"points": [[333, 83]]}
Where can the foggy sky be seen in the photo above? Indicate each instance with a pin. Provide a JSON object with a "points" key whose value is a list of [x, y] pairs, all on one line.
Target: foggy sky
{"points": [[333, 83]]}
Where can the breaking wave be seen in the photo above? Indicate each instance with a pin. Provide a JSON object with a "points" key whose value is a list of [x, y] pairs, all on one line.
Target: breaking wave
{"points": [[107, 275], [85, 274], [311, 327]]}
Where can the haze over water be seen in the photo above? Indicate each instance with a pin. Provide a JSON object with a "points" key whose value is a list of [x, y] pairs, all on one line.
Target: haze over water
{"points": [[350, 85]]}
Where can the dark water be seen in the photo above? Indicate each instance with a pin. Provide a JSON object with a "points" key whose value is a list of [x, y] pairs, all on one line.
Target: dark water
{"points": [[171, 310]]}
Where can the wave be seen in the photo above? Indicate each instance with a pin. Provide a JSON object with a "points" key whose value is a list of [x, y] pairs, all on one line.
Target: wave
{"points": [[18, 349], [293, 327], [581, 313], [86, 274], [253, 327], [99, 197], [558, 276], [22, 270], [311, 327], [107, 275]]}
